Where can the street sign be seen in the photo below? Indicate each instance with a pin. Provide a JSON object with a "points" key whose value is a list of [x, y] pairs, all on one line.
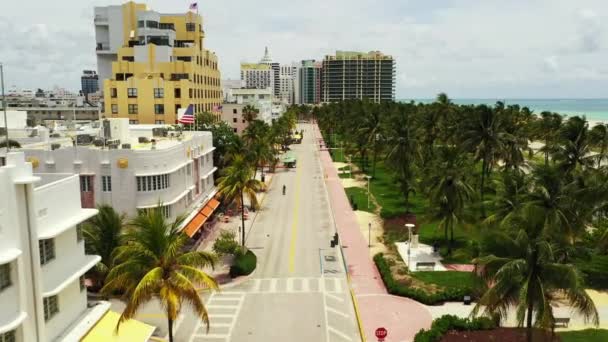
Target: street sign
{"points": [[381, 334]]}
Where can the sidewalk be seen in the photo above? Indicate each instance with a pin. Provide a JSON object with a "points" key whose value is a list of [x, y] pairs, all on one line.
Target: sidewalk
{"points": [[402, 317], [222, 269]]}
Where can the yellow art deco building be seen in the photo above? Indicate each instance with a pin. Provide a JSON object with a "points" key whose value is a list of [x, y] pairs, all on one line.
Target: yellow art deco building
{"points": [[151, 64]]}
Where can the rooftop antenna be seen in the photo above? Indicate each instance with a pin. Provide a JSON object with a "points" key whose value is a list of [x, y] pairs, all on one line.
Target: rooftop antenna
{"points": [[8, 146]]}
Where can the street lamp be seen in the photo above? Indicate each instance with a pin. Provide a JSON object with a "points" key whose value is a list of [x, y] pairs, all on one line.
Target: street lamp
{"points": [[409, 227], [350, 169], [368, 178], [4, 107], [369, 235]]}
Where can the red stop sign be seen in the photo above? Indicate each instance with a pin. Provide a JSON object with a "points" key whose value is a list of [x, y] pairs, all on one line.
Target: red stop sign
{"points": [[381, 333]]}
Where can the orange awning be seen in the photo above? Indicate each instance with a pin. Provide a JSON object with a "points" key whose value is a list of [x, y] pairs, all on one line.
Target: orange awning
{"points": [[201, 217], [213, 203], [196, 224], [207, 210]]}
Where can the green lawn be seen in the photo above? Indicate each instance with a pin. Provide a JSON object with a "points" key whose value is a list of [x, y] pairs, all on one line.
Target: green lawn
{"points": [[359, 196], [449, 279], [588, 335]]}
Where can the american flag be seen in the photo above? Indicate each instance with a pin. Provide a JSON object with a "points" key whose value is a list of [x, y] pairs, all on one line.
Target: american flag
{"points": [[188, 116], [217, 109], [194, 6]]}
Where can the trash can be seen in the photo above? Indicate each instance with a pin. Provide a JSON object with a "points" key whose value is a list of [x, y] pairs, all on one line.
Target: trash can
{"points": [[467, 300]]}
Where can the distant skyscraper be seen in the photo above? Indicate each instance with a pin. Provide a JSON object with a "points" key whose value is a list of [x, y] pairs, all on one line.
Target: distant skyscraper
{"points": [[310, 82], [356, 75], [89, 82], [287, 77]]}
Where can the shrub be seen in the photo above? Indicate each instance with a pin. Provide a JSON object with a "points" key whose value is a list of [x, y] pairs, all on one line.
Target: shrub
{"points": [[244, 263], [226, 243], [446, 323], [394, 287]]}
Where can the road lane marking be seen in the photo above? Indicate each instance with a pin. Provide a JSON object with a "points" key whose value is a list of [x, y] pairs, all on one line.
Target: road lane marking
{"points": [[334, 297], [289, 285], [337, 284], [256, 285], [337, 312], [339, 333], [294, 225], [273, 285], [305, 286], [321, 285]]}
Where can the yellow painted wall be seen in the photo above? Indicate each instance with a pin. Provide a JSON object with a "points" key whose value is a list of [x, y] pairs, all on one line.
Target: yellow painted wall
{"points": [[203, 78]]}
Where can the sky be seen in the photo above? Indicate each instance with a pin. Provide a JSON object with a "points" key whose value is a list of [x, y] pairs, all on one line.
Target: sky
{"points": [[466, 48]]}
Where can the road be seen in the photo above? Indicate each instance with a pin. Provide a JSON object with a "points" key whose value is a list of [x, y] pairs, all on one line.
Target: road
{"points": [[299, 291]]}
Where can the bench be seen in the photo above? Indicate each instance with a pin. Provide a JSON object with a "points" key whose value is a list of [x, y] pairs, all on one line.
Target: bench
{"points": [[561, 321], [425, 266]]}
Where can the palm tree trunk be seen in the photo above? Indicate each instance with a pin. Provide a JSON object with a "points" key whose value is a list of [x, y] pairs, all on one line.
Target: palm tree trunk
{"points": [[242, 219], [170, 329], [374, 160], [546, 152], [483, 180], [529, 323]]}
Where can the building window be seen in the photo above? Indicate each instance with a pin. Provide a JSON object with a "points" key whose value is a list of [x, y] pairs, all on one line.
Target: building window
{"points": [[177, 93], [132, 109], [159, 93], [5, 276], [152, 183], [106, 183], [159, 122], [82, 284], [133, 122], [85, 184], [47, 250], [234, 111], [166, 210], [159, 109], [113, 93], [78, 232], [234, 129], [234, 120], [51, 307], [114, 109], [132, 92], [152, 24], [140, 23], [190, 27], [8, 336]]}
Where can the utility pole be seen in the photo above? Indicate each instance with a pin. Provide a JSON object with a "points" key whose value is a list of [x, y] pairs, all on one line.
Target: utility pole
{"points": [[4, 107]]}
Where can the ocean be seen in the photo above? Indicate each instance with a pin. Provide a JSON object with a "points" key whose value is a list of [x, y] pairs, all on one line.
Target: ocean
{"points": [[593, 109]]}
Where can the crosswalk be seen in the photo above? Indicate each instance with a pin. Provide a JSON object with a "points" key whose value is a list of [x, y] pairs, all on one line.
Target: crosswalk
{"points": [[223, 309], [294, 285]]}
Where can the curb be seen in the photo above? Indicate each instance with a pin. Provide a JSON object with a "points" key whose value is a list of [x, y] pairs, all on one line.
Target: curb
{"points": [[238, 281]]}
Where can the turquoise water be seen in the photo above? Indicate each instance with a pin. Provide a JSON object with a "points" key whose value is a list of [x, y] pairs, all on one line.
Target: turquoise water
{"points": [[593, 109]]}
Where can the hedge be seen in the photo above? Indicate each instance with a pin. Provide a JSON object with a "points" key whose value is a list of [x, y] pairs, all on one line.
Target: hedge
{"points": [[447, 323], [244, 264], [394, 287]]}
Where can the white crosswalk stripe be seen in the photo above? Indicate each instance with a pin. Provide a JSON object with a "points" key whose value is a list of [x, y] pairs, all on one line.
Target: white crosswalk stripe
{"points": [[223, 309], [294, 285]]}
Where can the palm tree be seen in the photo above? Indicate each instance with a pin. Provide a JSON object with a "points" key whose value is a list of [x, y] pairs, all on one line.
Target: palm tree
{"points": [[547, 129], [250, 113], [402, 150], [102, 234], [599, 138], [484, 137], [528, 278], [511, 192], [574, 149], [449, 194], [153, 264], [237, 183]]}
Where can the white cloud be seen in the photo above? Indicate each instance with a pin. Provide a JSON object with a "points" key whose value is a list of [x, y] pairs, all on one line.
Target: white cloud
{"points": [[467, 48]]}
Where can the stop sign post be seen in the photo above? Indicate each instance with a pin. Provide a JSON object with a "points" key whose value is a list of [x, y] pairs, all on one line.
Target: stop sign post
{"points": [[381, 334]]}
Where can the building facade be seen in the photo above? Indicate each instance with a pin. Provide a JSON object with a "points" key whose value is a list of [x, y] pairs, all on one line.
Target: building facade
{"points": [[257, 76], [152, 64], [232, 114], [287, 77], [227, 86], [310, 82], [89, 82], [140, 171], [262, 99], [356, 75], [42, 256]]}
